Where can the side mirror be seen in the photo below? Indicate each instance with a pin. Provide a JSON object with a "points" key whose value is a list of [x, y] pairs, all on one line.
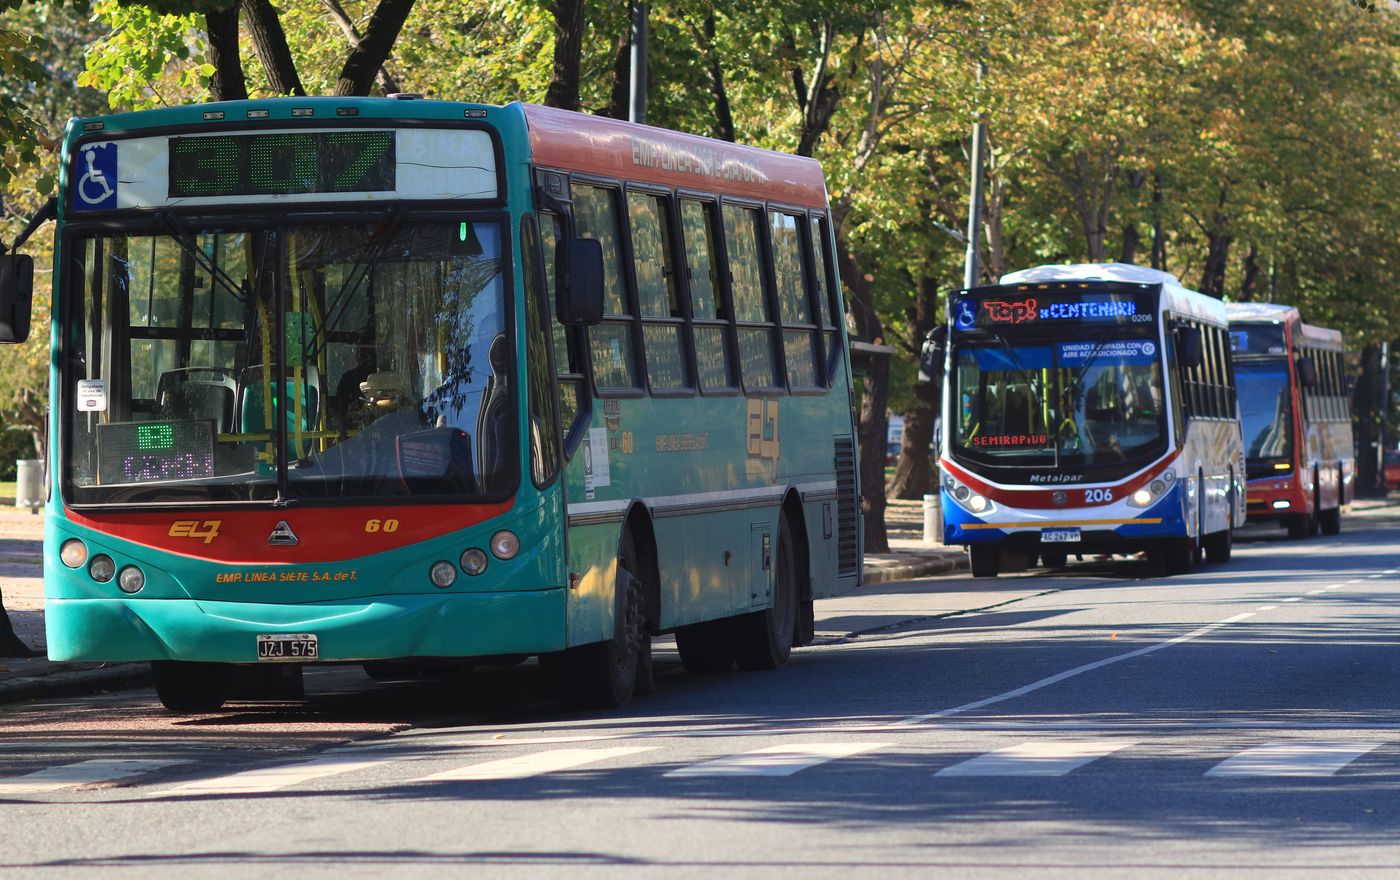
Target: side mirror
{"points": [[1307, 371], [931, 355], [16, 296], [580, 298], [1190, 347]]}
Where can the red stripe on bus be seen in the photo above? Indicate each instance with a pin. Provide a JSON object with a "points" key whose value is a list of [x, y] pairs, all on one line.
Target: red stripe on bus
{"points": [[1043, 499], [324, 534]]}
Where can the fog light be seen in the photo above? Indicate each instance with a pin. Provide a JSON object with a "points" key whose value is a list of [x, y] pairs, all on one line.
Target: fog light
{"points": [[131, 580], [1142, 497], [505, 545], [73, 553], [443, 574], [1282, 505], [961, 493], [474, 561], [102, 568], [1158, 487], [978, 504]]}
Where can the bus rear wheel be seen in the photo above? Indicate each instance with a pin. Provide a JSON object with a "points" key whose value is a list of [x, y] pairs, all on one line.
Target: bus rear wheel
{"points": [[984, 561], [1175, 555], [763, 639], [184, 686], [1219, 545], [706, 648], [1299, 525], [605, 674], [1330, 520]]}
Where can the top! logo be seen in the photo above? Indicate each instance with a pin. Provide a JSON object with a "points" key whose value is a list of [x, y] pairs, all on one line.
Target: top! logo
{"points": [[1010, 312]]}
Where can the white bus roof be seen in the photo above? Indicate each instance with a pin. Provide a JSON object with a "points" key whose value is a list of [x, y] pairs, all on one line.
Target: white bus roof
{"points": [[1242, 312], [1175, 296]]}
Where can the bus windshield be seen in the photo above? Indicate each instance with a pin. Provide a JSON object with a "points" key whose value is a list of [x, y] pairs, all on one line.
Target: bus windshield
{"points": [[1052, 404], [1265, 412], [310, 361]]}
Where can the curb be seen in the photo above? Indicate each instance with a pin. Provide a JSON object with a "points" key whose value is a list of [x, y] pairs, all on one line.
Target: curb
{"points": [[75, 682], [903, 571]]}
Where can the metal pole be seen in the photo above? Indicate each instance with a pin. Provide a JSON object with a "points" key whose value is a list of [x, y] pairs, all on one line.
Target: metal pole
{"points": [[637, 106], [974, 206]]}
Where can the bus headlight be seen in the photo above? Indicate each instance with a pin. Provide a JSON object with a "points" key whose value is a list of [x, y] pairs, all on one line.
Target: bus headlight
{"points": [[976, 503], [1141, 498], [1145, 496], [474, 561], [443, 574], [505, 545], [966, 498], [131, 580], [73, 553], [102, 568]]}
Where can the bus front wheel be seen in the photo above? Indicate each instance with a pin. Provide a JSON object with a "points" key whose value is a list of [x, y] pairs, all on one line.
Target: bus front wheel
{"points": [[1175, 555], [605, 674], [190, 687], [984, 561], [763, 639]]}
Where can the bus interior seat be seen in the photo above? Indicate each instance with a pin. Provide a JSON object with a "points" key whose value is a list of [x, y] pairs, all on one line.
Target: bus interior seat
{"points": [[203, 393], [250, 401]]}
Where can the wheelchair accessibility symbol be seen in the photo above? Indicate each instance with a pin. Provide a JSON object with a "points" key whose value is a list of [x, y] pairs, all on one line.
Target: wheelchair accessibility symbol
{"points": [[97, 177], [966, 315]]}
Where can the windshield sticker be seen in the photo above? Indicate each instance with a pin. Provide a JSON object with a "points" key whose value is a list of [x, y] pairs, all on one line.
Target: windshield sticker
{"points": [[1126, 351], [97, 177]]}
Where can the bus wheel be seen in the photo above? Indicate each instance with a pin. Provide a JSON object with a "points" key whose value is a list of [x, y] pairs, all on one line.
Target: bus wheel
{"points": [[1175, 555], [763, 639], [1330, 520], [985, 561], [190, 687], [1219, 545], [1054, 558], [1298, 525], [706, 648], [604, 674]]}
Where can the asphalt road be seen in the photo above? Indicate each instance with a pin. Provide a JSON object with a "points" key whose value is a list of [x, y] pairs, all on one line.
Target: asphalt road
{"points": [[1242, 721]]}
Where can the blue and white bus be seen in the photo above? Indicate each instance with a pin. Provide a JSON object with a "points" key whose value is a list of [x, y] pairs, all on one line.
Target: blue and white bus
{"points": [[1089, 409]]}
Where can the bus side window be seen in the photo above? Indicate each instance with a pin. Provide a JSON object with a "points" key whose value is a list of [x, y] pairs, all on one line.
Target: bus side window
{"points": [[828, 303], [654, 268], [610, 343], [568, 353], [543, 427], [714, 347], [742, 237], [794, 300]]}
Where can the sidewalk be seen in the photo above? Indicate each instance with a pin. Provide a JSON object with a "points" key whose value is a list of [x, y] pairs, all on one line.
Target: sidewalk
{"points": [[897, 588]]}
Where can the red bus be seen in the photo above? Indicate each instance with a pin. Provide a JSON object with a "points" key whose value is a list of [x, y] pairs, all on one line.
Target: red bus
{"points": [[1296, 418]]}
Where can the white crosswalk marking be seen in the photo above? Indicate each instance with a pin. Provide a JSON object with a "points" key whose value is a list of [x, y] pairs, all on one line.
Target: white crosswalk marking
{"points": [[777, 760], [81, 773], [1036, 759], [266, 779], [526, 766], [1293, 759]]}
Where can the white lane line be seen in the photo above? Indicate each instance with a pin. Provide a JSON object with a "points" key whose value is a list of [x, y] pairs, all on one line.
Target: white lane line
{"points": [[424, 746], [1391, 571], [1371, 577], [1070, 673], [265, 779], [1036, 759], [777, 760], [1294, 599], [526, 766], [1266, 607], [1293, 759], [81, 773], [1318, 590], [1334, 587]]}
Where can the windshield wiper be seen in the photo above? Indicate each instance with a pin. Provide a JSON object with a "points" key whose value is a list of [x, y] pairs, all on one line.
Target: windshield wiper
{"points": [[379, 241], [181, 235]]}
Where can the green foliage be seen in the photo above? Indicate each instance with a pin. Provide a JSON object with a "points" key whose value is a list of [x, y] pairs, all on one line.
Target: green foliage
{"points": [[150, 58]]}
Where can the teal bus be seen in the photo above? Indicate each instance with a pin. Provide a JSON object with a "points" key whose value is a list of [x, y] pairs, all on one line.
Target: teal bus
{"points": [[401, 382]]}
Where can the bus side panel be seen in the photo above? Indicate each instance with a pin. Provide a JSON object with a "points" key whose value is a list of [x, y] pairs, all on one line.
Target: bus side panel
{"points": [[821, 548], [593, 557], [706, 566]]}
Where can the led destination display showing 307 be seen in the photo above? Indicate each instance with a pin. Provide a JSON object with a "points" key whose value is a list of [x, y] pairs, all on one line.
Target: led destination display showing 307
{"points": [[281, 163]]}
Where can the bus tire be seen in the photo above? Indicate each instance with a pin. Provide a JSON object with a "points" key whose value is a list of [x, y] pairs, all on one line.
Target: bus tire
{"points": [[1330, 520], [1175, 555], [1219, 545], [1054, 558], [604, 674], [1297, 525], [984, 561], [706, 648], [763, 639], [190, 687]]}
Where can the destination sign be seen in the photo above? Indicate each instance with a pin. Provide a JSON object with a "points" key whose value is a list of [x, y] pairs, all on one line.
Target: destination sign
{"points": [[1257, 339], [1022, 308], [282, 162]]}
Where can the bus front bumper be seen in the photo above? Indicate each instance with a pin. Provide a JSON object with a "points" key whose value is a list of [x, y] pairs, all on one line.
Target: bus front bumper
{"points": [[375, 628]]}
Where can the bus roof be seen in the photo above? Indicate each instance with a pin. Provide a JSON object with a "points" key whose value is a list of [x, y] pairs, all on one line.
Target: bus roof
{"points": [[614, 148], [1283, 314], [1174, 294]]}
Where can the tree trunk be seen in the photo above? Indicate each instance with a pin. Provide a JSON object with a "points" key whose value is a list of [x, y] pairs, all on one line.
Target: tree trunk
{"points": [[912, 473], [1131, 240], [1249, 281], [227, 83], [568, 52], [874, 420], [270, 44], [367, 58], [724, 117], [1159, 239], [387, 82], [620, 100], [1367, 411], [1218, 241]]}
